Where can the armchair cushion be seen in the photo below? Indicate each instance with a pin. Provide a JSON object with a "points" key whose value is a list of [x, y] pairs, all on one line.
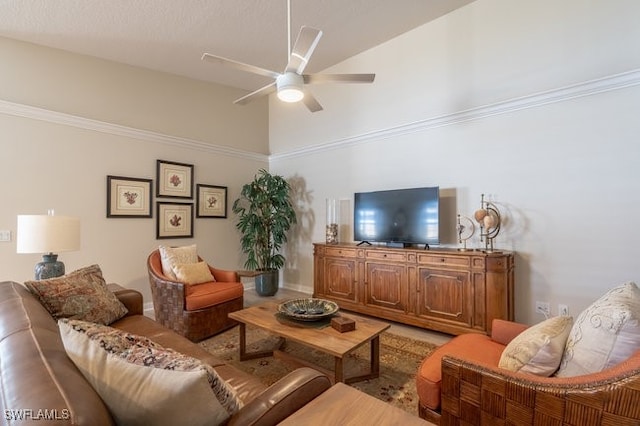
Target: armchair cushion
{"points": [[144, 383], [193, 273], [604, 334], [170, 256], [81, 294], [212, 293], [538, 349]]}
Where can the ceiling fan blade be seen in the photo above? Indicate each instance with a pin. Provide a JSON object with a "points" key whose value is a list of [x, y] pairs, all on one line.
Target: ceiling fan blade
{"points": [[304, 46], [263, 91], [310, 102], [239, 65], [338, 78]]}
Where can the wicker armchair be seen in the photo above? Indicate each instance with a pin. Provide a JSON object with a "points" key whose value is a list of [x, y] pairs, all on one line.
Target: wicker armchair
{"points": [[480, 394], [170, 302]]}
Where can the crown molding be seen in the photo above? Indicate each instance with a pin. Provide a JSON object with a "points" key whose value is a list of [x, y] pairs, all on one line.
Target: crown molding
{"points": [[587, 88], [35, 113]]}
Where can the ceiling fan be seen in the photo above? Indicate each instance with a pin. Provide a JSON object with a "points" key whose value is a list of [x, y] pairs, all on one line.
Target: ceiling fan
{"points": [[290, 85]]}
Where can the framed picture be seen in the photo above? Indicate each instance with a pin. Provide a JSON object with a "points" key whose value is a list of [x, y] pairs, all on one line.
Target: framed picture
{"points": [[211, 201], [129, 197], [174, 180], [175, 220]]}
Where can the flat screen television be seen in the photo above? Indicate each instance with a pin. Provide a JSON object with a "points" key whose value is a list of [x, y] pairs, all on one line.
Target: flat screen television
{"points": [[398, 217]]}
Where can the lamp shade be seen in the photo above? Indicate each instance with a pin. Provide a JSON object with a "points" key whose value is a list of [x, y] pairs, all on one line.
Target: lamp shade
{"points": [[47, 234]]}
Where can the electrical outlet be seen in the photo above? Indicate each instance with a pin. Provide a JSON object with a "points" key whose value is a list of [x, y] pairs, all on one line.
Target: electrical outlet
{"points": [[543, 308], [563, 310], [5, 235]]}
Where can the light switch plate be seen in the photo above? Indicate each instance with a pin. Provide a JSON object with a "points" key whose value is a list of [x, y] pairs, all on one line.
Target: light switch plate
{"points": [[5, 235]]}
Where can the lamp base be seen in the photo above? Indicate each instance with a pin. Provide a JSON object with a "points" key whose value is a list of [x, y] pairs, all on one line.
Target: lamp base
{"points": [[49, 267]]}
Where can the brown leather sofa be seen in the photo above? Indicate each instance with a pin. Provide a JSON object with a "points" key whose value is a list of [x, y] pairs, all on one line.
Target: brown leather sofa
{"points": [[38, 380]]}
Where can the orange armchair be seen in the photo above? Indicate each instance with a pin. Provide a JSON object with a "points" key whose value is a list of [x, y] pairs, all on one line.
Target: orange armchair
{"points": [[460, 383], [194, 311]]}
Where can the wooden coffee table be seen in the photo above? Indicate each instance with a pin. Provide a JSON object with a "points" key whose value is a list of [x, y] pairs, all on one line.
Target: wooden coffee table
{"points": [[325, 339]]}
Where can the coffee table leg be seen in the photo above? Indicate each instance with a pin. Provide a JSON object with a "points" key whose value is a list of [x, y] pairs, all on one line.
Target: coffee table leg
{"points": [[244, 356], [338, 370], [374, 369], [243, 340]]}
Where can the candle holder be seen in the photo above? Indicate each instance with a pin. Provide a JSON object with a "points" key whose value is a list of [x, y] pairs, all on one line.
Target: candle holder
{"points": [[332, 221]]}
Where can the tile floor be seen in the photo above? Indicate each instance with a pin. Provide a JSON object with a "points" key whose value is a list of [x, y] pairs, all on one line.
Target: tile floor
{"points": [[252, 298]]}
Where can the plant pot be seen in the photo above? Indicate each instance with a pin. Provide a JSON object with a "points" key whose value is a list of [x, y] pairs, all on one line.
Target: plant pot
{"points": [[267, 283]]}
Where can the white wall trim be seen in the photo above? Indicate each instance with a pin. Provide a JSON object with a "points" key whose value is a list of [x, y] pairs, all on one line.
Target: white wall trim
{"points": [[27, 111], [587, 88]]}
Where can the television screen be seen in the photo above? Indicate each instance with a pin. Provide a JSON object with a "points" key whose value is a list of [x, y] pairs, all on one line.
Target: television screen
{"points": [[404, 216]]}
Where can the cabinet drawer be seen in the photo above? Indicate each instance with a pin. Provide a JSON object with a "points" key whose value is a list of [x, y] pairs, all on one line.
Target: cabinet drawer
{"points": [[386, 255], [444, 260], [339, 252]]}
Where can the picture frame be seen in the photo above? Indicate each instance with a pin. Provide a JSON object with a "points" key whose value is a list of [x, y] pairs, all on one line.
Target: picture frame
{"points": [[174, 180], [174, 220], [211, 201], [129, 197]]}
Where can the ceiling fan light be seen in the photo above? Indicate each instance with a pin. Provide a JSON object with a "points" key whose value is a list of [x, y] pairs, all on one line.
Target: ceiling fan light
{"points": [[289, 87]]}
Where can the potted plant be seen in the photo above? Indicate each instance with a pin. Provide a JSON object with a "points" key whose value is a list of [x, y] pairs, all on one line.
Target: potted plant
{"points": [[265, 214]]}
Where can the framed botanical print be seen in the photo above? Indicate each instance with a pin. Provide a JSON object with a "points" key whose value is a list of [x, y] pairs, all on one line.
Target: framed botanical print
{"points": [[211, 201], [129, 197], [174, 180], [174, 220]]}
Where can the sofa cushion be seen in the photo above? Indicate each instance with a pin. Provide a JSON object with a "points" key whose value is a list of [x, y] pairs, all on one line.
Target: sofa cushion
{"points": [[429, 378], [193, 273], [170, 256], [144, 383], [604, 334], [81, 294], [210, 294], [538, 350]]}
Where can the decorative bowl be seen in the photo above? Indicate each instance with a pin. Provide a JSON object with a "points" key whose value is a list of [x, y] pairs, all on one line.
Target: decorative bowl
{"points": [[308, 309]]}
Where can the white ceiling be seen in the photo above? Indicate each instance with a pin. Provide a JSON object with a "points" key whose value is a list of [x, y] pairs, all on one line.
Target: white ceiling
{"points": [[171, 35]]}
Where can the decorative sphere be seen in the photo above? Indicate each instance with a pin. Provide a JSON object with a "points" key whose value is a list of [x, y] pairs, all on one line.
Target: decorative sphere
{"points": [[490, 221], [480, 215]]}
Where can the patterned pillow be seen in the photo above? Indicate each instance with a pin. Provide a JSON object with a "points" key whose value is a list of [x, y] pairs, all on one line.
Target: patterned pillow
{"points": [[604, 334], [170, 256], [143, 383], [81, 294], [193, 273], [539, 348]]}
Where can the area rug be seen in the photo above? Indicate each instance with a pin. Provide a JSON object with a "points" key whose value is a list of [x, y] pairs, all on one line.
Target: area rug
{"points": [[400, 358]]}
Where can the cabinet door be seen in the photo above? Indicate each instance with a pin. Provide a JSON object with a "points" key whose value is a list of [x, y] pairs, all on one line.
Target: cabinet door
{"points": [[340, 279], [444, 294], [386, 286]]}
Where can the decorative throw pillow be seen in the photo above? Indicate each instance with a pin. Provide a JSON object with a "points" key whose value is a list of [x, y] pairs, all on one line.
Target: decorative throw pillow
{"points": [[170, 256], [143, 383], [81, 294], [538, 350], [604, 334], [193, 273]]}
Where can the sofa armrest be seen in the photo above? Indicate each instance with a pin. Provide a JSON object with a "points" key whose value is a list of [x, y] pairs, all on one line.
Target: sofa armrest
{"points": [[472, 391], [283, 398], [132, 299], [503, 331]]}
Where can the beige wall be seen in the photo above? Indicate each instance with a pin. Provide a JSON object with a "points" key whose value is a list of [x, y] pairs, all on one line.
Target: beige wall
{"points": [[522, 101], [68, 121]]}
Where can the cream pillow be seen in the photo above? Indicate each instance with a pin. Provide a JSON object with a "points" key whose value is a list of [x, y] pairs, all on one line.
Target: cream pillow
{"points": [[604, 334], [143, 383], [538, 349], [170, 256], [193, 273]]}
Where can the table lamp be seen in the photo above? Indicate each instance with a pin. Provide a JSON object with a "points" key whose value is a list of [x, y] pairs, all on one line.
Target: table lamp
{"points": [[48, 234]]}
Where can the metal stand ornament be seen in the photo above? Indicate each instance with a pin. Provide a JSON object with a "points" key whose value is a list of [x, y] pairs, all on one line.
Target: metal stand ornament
{"points": [[466, 229], [488, 216]]}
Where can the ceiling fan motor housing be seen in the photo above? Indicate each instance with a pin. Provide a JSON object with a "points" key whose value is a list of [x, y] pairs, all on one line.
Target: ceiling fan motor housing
{"points": [[289, 87]]}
